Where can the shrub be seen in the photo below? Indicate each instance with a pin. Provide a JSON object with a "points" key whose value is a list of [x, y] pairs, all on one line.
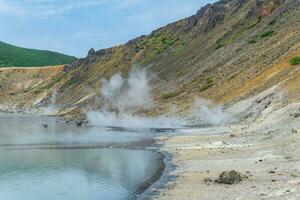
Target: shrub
{"points": [[218, 46], [238, 49], [223, 40], [73, 81], [295, 61], [232, 77], [267, 33], [56, 79], [209, 83], [252, 41], [255, 38], [272, 22], [170, 94]]}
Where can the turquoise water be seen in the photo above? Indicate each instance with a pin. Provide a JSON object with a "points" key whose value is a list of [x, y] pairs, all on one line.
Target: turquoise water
{"points": [[35, 163]]}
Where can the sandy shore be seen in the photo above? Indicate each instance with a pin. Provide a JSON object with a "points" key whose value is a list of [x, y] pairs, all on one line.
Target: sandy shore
{"points": [[265, 149]]}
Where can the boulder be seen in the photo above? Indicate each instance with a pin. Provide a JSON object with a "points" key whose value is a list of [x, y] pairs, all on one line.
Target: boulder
{"points": [[229, 177]]}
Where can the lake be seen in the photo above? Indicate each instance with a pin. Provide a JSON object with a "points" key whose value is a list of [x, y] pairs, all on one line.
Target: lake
{"points": [[66, 162]]}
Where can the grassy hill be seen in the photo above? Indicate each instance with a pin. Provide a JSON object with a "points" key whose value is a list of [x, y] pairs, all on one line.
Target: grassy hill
{"points": [[21, 57]]}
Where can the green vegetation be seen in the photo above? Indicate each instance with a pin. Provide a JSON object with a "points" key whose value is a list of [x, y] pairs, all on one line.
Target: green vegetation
{"points": [[56, 79], [238, 49], [232, 77], [53, 82], [155, 44], [12, 56], [272, 22], [295, 61], [170, 94], [50, 85], [180, 47], [252, 23], [209, 83], [236, 32], [222, 41], [74, 80], [252, 41], [259, 36], [267, 33]]}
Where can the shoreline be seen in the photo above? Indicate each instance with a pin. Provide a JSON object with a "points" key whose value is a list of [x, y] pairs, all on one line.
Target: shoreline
{"points": [[161, 179], [146, 189]]}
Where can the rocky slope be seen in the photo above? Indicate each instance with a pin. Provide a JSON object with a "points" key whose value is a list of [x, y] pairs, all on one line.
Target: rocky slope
{"points": [[226, 52], [27, 88]]}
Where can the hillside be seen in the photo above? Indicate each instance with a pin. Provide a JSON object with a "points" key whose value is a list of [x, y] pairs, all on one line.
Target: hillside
{"points": [[21, 57], [226, 52]]}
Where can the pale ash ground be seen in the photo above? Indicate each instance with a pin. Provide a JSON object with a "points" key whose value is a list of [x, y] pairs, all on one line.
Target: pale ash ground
{"points": [[264, 146]]}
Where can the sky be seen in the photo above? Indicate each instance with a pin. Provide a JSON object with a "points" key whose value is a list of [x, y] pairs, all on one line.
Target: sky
{"points": [[74, 26]]}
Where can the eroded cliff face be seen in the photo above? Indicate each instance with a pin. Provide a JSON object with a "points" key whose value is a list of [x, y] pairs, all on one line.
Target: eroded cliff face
{"points": [[25, 88], [226, 52]]}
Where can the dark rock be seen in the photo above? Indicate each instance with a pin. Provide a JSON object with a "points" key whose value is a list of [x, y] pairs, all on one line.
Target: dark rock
{"points": [[296, 115], [45, 125], [294, 130], [229, 177], [79, 124], [91, 52], [207, 17], [207, 181], [162, 130], [91, 58]]}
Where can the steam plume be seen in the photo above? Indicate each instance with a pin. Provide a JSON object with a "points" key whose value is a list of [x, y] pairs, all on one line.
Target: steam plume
{"points": [[122, 98]]}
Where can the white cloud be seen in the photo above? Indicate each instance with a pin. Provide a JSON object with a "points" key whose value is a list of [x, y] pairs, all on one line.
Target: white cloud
{"points": [[44, 8], [47, 8]]}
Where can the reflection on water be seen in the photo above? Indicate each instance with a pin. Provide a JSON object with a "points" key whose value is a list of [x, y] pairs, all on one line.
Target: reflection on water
{"points": [[69, 174], [29, 130], [74, 174]]}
